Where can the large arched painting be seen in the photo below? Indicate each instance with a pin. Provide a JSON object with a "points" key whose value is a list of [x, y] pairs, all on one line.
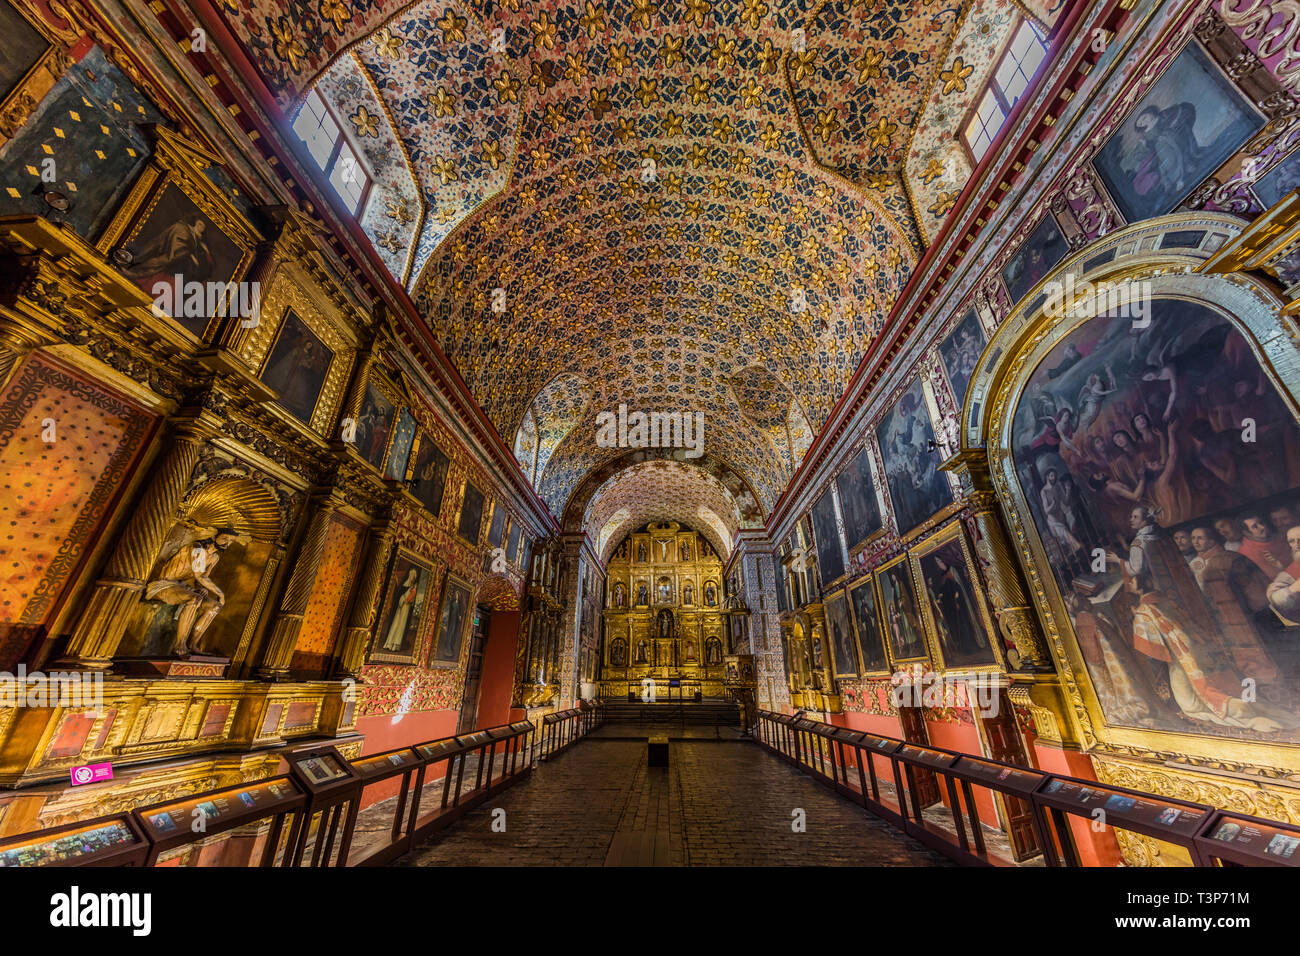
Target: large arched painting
{"points": [[1162, 469]]}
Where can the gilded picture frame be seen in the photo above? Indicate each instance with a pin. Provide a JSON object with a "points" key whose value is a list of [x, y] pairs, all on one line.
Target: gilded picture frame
{"points": [[941, 635], [44, 58], [400, 625], [901, 626], [173, 182]]}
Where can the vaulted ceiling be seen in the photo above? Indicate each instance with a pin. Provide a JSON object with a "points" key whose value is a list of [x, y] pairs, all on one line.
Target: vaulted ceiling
{"points": [[677, 205]]}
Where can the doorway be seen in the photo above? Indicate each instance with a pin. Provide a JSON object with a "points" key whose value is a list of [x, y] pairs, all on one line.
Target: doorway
{"points": [[474, 672]]}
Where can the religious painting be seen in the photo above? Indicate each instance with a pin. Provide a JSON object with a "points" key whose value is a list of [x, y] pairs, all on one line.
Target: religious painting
{"points": [[23, 48], [841, 634], [297, 366], [176, 243], [1038, 255], [858, 501], [497, 525], [826, 532], [471, 514], [374, 423], [618, 653], [917, 487], [782, 598], [400, 452], [451, 620], [1161, 468], [397, 638], [871, 644], [512, 546], [900, 612], [952, 606], [1181, 131], [429, 476], [1282, 179], [960, 353]]}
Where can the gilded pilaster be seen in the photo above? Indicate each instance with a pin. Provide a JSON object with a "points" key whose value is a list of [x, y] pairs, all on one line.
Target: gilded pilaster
{"points": [[351, 652], [293, 604]]}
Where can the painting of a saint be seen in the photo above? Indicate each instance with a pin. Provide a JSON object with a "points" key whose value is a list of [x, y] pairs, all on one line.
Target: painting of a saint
{"points": [[429, 478], [1181, 131], [297, 367], [962, 639], [870, 644], [451, 620], [826, 532], [512, 546], [961, 351], [686, 551], [640, 551], [858, 499], [179, 239], [688, 594], [841, 634], [1037, 256], [618, 653], [642, 596], [398, 635], [497, 526], [642, 652], [917, 487], [471, 514], [400, 453], [1277, 182], [665, 591], [374, 422], [1183, 469], [902, 617]]}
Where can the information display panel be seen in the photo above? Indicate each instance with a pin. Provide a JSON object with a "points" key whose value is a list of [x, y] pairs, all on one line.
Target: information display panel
{"points": [[106, 841], [927, 757], [321, 770], [881, 745], [171, 824], [440, 749], [1172, 820], [1013, 779], [378, 765], [1249, 841]]}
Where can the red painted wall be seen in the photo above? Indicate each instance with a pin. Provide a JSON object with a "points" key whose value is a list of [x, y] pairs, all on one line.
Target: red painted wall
{"points": [[497, 681]]}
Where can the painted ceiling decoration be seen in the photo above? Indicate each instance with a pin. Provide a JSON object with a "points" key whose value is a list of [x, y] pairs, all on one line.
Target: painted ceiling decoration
{"points": [[769, 405], [651, 198], [661, 490]]}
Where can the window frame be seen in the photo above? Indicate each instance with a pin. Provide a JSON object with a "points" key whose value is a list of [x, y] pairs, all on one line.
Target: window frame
{"points": [[999, 96], [327, 170]]}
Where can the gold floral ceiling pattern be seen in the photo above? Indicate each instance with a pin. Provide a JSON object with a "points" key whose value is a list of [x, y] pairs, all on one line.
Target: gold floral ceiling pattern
{"points": [[624, 193]]}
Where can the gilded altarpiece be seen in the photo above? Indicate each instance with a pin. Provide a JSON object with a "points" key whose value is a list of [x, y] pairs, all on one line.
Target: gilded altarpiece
{"points": [[664, 612]]}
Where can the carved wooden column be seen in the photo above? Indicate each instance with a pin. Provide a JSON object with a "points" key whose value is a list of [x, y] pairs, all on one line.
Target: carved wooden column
{"points": [[99, 630], [1008, 595], [278, 652], [351, 652], [16, 343]]}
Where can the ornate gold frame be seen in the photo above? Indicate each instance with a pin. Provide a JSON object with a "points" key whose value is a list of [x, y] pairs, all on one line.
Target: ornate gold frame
{"points": [[885, 631], [178, 162], [375, 654], [868, 581], [35, 85], [929, 546], [842, 594], [1018, 346], [432, 661]]}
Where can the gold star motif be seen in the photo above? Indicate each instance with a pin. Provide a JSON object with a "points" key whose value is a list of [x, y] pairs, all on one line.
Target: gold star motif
{"points": [[453, 27], [442, 103], [365, 122]]}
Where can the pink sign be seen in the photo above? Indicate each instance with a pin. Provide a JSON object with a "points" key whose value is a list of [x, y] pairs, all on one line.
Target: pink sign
{"points": [[91, 773]]}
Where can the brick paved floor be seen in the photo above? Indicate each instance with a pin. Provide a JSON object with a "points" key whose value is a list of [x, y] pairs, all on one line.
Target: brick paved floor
{"points": [[719, 804]]}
